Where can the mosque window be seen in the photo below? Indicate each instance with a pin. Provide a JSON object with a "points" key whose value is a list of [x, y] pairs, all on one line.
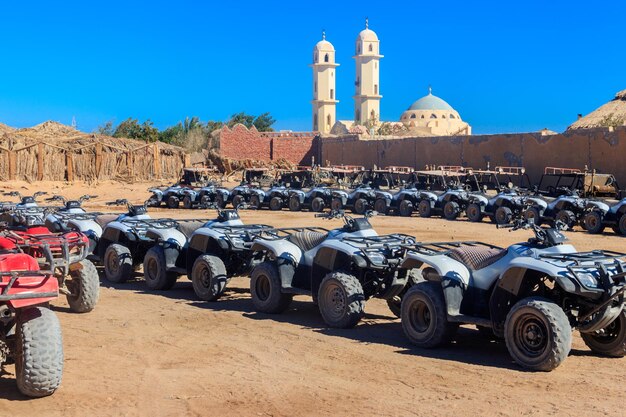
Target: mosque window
{"points": [[452, 116], [328, 121], [358, 48], [433, 116], [376, 89], [422, 116], [316, 57], [332, 93], [357, 115], [443, 116], [371, 48], [326, 58], [413, 116], [315, 87], [315, 122]]}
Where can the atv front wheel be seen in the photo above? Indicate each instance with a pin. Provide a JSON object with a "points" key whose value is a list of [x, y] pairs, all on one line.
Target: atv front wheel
{"points": [[406, 208], [153, 202], [336, 204], [537, 334], [208, 277], [220, 202], [173, 202], [266, 289], [567, 217], [294, 204], [424, 208], [238, 200], [474, 213], [424, 316], [380, 206], [610, 341], [187, 203], [276, 204], [39, 352], [621, 225], [255, 202], [341, 300], [84, 287], [118, 263], [360, 206], [451, 210], [317, 204], [594, 223], [532, 213], [504, 215], [155, 271]]}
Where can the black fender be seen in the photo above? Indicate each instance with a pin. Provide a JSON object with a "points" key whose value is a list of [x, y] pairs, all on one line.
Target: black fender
{"points": [[328, 260], [201, 245]]}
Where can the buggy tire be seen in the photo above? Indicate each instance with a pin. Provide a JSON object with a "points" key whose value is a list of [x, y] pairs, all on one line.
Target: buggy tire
{"points": [[84, 287], [360, 206], [153, 202], [336, 204], [474, 213], [567, 217], [118, 263], [238, 200], [255, 202], [406, 208], [187, 203], [39, 352], [173, 202], [266, 289], [317, 204], [537, 334], [451, 210], [395, 303], [424, 316], [155, 272], [611, 341], [425, 209], [594, 223], [533, 213], [341, 300], [276, 204], [621, 225], [208, 277], [503, 215], [294, 204], [380, 206], [220, 201]]}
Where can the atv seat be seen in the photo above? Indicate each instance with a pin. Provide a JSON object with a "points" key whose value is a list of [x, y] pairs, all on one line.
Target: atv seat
{"points": [[307, 239], [105, 219], [187, 228], [476, 258]]}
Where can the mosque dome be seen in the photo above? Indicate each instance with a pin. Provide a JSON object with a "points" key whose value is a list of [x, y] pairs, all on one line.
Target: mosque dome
{"points": [[434, 116], [367, 35], [430, 102], [325, 46]]}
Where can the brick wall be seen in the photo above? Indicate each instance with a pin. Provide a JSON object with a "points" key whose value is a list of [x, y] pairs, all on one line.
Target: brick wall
{"points": [[243, 143]]}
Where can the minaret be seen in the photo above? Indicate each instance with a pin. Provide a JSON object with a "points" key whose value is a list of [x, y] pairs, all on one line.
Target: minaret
{"points": [[324, 93], [367, 95]]}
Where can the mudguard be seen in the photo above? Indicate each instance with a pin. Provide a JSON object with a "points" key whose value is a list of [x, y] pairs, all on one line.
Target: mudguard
{"points": [[446, 267], [193, 194], [158, 194], [427, 195], [281, 249], [537, 202], [168, 236], [258, 192], [384, 194], [297, 193], [342, 195], [478, 199], [597, 205], [89, 227]]}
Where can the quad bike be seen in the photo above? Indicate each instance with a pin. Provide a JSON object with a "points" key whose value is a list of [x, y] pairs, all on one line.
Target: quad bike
{"points": [[25, 201], [170, 196], [214, 251], [507, 205], [450, 204], [72, 216], [340, 268], [205, 197], [316, 199], [359, 200], [601, 215], [401, 203], [30, 333], [532, 294], [63, 252], [274, 198], [569, 208]]}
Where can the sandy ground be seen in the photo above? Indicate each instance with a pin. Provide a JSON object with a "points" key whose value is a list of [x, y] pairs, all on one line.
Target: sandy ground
{"points": [[166, 354]]}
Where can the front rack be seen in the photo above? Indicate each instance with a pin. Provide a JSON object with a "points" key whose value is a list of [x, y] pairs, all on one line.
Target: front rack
{"points": [[376, 242], [578, 258], [443, 248], [278, 233]]}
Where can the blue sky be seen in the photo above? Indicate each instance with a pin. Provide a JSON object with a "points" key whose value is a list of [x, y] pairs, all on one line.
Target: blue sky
{"points": [[505, 66]]}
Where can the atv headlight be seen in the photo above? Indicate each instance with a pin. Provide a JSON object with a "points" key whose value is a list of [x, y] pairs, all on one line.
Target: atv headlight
{"points": [[376, 258], [237, 242], [588, 280]]}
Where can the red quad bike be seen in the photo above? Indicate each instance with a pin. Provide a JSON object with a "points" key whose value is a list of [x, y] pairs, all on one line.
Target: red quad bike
{"points": [[30, 333], [65, 254]]}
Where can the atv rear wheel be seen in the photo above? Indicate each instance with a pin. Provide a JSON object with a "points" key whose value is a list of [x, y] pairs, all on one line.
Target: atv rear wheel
{"points": [[424, 208], [276, 204], [266, 289], [255, 202], [187, 203], [39, 352], [341, 300], [424, 316], [294, 204], [532, 213], [451, 210], [84, 287], [406, 208], [537, 334], [503, 215], [610, 341], [208, 276], [118, 263], [474, 213], [336, 204], [594, 222], [360, 206], [621, 225], [220, 201], [155, 271], [317, 204], [238, 200], [153, 202], [380, 206], [567, 217], [173, 202]]}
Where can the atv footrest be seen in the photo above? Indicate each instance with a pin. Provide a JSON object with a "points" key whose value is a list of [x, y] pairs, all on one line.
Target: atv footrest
{"points": [[462, 318]]}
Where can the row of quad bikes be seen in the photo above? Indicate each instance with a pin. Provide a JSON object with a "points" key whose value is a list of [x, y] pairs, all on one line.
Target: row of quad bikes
{"points": [[573, 197], [531, 294]]}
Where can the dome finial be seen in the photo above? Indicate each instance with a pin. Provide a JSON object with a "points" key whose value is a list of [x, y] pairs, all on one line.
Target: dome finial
{"points": [[430, 90], [323, 34], [367, 23]]}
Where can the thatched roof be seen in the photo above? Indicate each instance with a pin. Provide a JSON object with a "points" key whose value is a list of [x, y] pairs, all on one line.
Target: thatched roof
{"points": [[5, 129], [612, 114]]}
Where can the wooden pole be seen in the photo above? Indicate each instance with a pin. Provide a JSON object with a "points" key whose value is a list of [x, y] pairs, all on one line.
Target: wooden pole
{"points": [[129, 161], [187, 160], [12, 165], [157, 162], [69, 162], [98, 159], [40, 155]]}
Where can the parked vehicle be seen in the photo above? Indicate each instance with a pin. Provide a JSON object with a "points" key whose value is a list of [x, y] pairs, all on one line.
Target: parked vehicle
{"points": [[600, 216], [569, 208], [172, 196], [26, 201], [455, 200], [531, 294], [209, 195], [214, 251], [30, 333], [340, 268], [252, 179], [507, 205]]}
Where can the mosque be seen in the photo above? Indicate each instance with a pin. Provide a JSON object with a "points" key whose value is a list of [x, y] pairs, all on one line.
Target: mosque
{"points": [[428, 116]]}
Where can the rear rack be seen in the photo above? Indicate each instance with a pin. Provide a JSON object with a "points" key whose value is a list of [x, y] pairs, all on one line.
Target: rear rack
{"points": [[278, 233], [247, 233], [556, 170], [5, 296], [443, 248], [578, 258], [374, 242]]}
